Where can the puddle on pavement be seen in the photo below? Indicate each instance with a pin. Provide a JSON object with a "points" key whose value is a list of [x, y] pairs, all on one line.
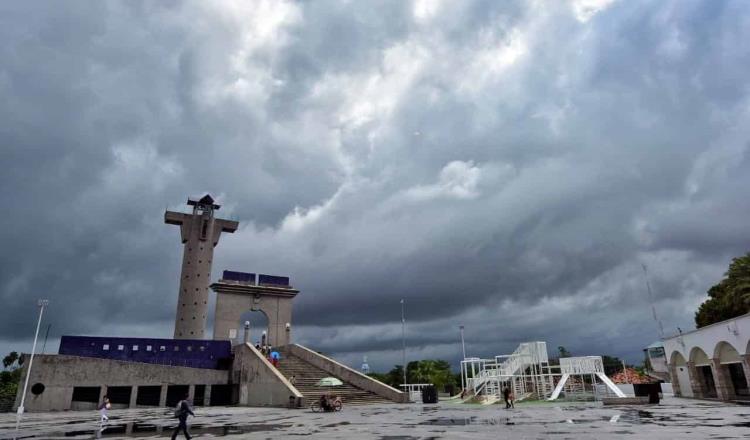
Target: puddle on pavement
{"points": [[625, 418], [147, 429]]}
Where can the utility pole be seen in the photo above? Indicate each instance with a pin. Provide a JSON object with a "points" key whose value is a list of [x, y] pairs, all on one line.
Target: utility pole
{"points": [[403, 338], [42, 303]]}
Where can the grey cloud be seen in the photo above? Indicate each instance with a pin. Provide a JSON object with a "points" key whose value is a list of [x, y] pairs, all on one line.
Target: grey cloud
{"points": [[482, 160]]}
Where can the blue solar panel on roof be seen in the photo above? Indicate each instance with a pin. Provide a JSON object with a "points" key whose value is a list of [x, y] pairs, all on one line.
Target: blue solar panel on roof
{"points": [[244, 277], [273, 280]]}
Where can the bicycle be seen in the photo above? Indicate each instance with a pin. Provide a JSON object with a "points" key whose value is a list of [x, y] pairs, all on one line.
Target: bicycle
{"points": [[335, 406]]}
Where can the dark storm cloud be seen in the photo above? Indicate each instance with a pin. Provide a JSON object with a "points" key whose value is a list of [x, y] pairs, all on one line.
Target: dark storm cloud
{"points": [[504, 166]]}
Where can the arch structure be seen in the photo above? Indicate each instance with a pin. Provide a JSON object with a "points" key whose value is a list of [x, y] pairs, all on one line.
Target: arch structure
{"points": [[238, 292], [713, 361]]}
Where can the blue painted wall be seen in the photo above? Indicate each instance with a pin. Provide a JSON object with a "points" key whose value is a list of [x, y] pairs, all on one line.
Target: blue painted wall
{"points": [[195, 353]]}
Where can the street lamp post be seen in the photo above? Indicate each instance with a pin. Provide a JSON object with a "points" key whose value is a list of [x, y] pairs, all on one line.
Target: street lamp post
{"points": [[403, 338], [42, 303]]}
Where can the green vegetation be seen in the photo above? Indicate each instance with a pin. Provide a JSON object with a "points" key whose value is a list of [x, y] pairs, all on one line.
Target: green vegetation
{"points": [[730, 297], [9, 378], [436, 372]]}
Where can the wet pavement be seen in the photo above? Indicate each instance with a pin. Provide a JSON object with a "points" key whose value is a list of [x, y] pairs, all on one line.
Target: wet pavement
{"points": [[673, 418]]}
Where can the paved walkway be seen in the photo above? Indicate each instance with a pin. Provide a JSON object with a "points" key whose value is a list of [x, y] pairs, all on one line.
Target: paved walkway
{"points": [[673, 419]]}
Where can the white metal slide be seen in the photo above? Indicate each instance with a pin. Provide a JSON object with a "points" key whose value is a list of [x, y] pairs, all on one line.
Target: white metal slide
{"points": [[611, 385], [559, 387]]}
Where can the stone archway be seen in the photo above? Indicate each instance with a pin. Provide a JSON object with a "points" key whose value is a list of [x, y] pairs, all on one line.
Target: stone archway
{"points": [[701, 374], [678, 369], [731, 380], [238, 292], [257, 330]]}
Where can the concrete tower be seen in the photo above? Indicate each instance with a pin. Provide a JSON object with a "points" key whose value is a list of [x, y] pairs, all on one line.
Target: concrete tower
{"points": [[200, 233]]}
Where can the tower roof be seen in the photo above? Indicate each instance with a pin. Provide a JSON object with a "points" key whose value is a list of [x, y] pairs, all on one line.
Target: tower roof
{"points": [[206, 201]]}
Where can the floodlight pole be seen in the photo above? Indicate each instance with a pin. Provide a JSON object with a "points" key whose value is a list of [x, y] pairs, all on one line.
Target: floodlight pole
{"points": [[463, 346], [463, 350], [403, 338], [42, 303]]}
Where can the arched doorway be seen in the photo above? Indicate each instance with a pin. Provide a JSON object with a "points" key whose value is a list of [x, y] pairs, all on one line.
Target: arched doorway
{"points": [[681, 374], [256, 332], [704, 377], [234, 298], [730, 367]]}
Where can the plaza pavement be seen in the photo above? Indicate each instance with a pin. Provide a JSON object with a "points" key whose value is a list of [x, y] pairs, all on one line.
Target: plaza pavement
{"points": [[674, 418]]}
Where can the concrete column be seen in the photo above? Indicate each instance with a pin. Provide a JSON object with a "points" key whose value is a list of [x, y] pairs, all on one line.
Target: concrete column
{"points": [[722, 380], [675, 381], [207, 396], [696, 382], [102, 393], [163, 396], [191, 392], [746, 368], [133, 396]]}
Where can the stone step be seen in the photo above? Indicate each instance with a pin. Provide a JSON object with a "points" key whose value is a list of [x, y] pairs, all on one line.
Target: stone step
{"points": [[306, 376]]}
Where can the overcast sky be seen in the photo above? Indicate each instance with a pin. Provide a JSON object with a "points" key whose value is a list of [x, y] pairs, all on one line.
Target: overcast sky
{"points": [[508, 166]]}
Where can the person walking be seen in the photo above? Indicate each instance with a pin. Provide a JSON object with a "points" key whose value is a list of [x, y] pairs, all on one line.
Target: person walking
{"points": [[182, 412], [103, 408], [506, 397]]}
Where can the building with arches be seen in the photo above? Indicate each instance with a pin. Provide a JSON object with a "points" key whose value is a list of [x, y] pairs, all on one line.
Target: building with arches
{"points": [[712, 362]]}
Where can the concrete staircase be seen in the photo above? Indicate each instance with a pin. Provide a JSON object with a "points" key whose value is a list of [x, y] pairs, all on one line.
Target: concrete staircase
{"points": [[307, 375]]}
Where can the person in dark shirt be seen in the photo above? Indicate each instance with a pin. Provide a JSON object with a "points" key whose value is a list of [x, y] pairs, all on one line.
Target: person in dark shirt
{"points": [[182, 413], [506, 396]]}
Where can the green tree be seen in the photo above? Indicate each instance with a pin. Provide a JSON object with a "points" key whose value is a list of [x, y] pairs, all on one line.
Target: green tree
{"points": [[10, 359], [436, 372], [730, 297], [395, 377], [564, 353], [9, 379], [612, 365]]}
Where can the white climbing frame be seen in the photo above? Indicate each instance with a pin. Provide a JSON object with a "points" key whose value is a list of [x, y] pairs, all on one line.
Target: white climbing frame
{"points": [[527, 373]]}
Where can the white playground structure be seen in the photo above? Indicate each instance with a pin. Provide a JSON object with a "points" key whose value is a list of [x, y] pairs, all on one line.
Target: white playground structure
{"points": [[528, 374]]}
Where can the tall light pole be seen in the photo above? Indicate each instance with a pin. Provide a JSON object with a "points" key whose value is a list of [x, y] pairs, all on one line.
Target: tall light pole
{"points": [[42, 303], [463, 346], [461, 364], [403, 338]]}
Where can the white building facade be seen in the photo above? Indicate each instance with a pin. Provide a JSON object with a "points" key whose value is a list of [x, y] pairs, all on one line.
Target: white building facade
{"points": [[712, 362]]}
